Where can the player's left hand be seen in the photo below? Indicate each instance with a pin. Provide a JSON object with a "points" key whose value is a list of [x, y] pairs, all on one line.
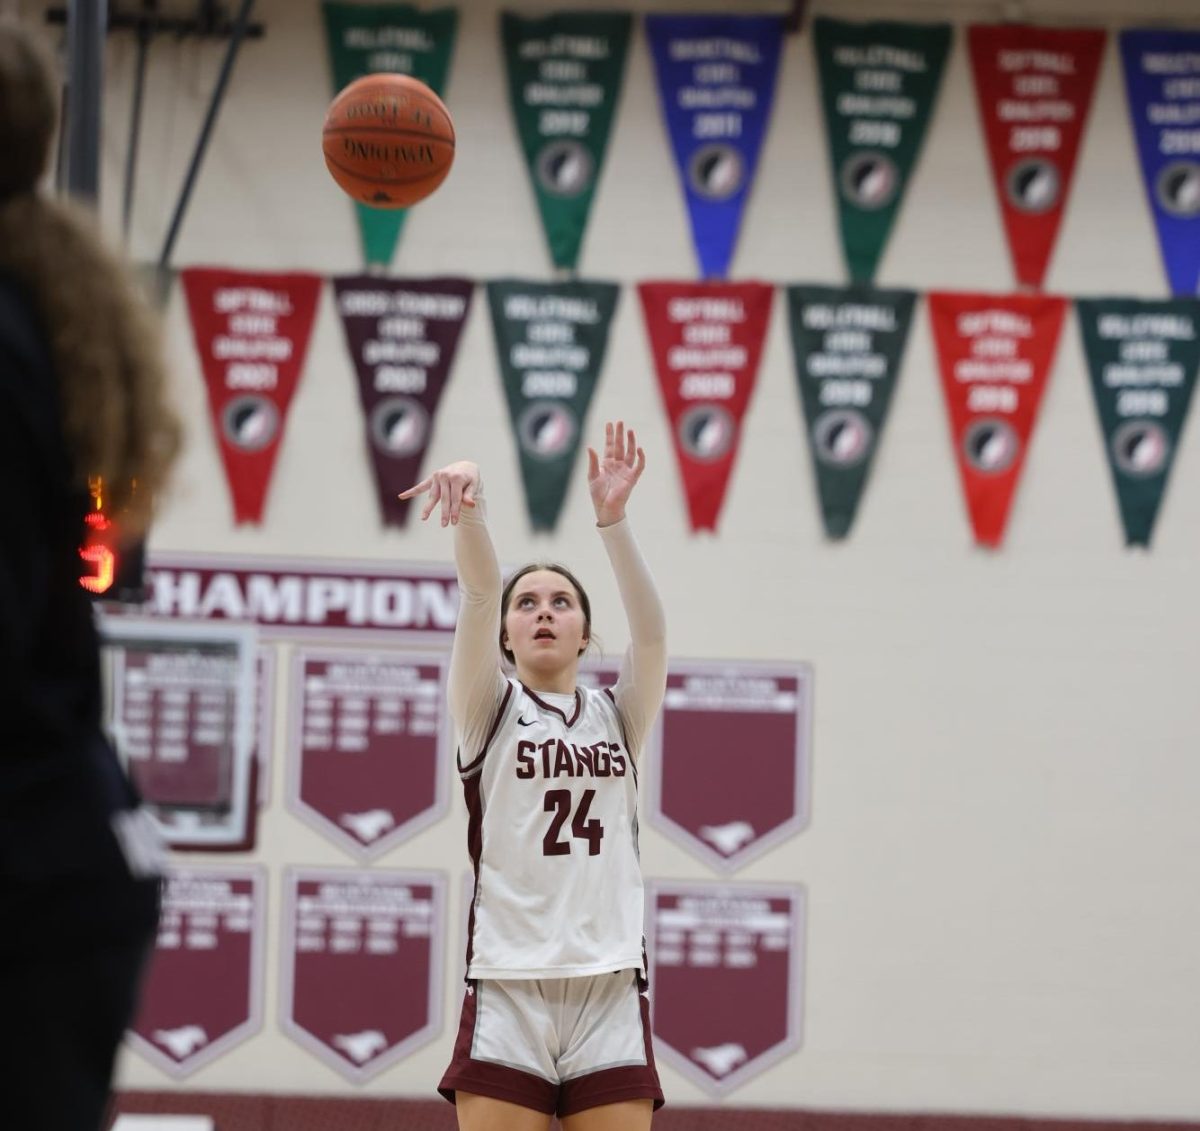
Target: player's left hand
{"points": [[611, 480]]}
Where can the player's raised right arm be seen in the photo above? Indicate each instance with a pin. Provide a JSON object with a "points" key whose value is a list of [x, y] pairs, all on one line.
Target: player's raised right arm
{"points": [[476, 684]]}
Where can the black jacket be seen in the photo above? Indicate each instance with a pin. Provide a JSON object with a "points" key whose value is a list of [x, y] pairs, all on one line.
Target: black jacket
{"points": [[61, 870]]}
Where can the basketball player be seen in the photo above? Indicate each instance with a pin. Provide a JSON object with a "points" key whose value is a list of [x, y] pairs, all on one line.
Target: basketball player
{"points": [[555, 1019], [81, 392]]}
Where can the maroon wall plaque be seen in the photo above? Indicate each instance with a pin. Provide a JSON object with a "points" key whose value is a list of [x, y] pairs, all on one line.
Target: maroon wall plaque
{"points": [[726, 978], [361, 981], [367, 763], [731, 761], [264, 721], [203, 992]]}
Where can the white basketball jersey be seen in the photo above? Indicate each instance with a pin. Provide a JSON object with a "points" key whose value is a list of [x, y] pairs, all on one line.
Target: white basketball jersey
{"points": [[552, 799]]}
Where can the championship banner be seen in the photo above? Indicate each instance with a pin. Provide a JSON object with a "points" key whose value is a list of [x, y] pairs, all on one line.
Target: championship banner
{"points": [[402, 334], [878, 85], [847, 344], [707, 340], [731, 764], [366, 763], [995, 353], [203, 991], [1142, 357], [1034, 86], [366, 39], [1161, 69], [716, 76], [251, 332], [727, 967], [564, 76], [361, 977], [550, 338]]}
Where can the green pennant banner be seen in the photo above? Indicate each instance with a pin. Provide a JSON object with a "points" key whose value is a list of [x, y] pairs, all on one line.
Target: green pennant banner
{"points": [[366, 39], [564, 76], [1142, 357], [551, 339], [878, 84], [848, 343]]}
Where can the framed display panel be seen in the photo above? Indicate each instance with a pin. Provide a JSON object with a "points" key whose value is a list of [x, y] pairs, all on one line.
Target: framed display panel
{"points": [[179, 704]]}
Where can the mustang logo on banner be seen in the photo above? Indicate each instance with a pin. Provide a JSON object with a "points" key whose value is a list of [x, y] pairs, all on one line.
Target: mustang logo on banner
{"points": [[716, 75], [1164, 103], [402, 334], [1143, 358], [878, 84], [551, 339], [368, 38], [564, 75], [848, 345], [707, 339], [1035, 88], [995, 353], [251, 332]]}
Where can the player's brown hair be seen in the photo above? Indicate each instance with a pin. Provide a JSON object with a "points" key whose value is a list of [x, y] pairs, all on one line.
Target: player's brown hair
{"points": [[506, 598], [104, 339]]}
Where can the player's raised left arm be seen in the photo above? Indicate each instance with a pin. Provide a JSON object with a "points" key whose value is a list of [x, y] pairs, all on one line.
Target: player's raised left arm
{"points": [[642, 682]]}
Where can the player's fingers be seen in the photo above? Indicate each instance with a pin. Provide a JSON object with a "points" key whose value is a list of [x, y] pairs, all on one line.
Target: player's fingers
{"points": [[445, 485], [456, 494], [641, 464], [631, 448], [608, 440], [468, 499], [415, 489], [593, 464], [619, 442], [435, 493]]}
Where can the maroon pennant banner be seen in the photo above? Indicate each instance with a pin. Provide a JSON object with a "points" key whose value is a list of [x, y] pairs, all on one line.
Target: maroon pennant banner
{"points": [[361, 980], [995, 353], [1035, 88], [367, 759], [707, 340], [402, 335], [731, 771], [251, 332], [726, 978], [204, 987]]}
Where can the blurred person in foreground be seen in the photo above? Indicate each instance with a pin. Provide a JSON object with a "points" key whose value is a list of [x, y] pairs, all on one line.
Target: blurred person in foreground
{"points": [[82, 393]]}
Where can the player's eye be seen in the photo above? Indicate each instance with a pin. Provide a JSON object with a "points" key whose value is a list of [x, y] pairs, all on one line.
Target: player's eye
{"points": [[525, 603], [562, 602]]}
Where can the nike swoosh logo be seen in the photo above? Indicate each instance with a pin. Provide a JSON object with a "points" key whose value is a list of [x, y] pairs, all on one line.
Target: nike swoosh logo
{"points": [[523, 723]]}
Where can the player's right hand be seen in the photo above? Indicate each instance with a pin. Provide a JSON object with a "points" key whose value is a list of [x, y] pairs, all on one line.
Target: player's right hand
{"points": [[454, 486]]}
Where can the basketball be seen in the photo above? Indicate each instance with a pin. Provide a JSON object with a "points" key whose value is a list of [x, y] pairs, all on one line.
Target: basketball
{"points": [[388, 140]]}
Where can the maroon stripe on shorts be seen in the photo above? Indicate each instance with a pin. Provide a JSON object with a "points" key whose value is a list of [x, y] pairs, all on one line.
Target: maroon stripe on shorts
{"points": [[612, 1085], [483, 1078]]}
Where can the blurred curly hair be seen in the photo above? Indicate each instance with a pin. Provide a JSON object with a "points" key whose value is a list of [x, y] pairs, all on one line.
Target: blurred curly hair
{"points": [[104, 338]]}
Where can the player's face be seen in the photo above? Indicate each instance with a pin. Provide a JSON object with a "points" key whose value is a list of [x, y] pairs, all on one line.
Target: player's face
{"points": [[544, 626]]}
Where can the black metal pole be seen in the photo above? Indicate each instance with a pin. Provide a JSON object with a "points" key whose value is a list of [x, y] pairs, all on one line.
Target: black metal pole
{"points": [[218, 94], [144, 34], [87, 22]]}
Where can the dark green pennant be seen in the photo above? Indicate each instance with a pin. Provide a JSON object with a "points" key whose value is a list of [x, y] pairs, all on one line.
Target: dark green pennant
{"points": [[878, 84], [550, 338], [1142, 357], [847, 343], [367, 39], [564, 75]]}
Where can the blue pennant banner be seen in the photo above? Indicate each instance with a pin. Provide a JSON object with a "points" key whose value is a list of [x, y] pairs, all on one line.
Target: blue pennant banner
{"points": [[1161, 69], [716, 75]]}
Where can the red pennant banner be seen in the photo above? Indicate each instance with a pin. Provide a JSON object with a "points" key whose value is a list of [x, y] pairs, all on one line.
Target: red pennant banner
{"points": [[1035, 87], [995, 353], [252, 333], [707, 340]]}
